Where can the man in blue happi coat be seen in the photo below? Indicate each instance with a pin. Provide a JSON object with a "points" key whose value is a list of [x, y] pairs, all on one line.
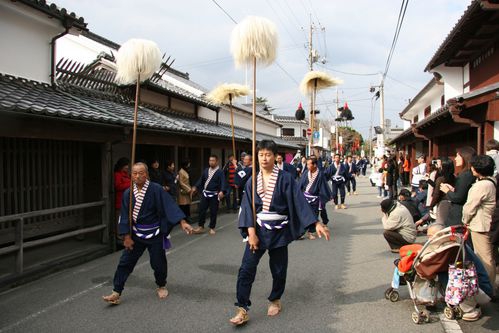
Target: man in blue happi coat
{"points": [[337, 173], [285, 166], [316, 190], [351, 182], [154, 214], [282, 215], [243, 173], [213, 187]]}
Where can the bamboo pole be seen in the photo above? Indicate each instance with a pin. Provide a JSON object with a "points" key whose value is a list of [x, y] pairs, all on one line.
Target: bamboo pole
{"points": [[232, 125], [253, 147], [134, 141]]}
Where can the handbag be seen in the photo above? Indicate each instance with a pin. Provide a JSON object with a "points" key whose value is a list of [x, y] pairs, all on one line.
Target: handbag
{"points": [[463, 280]]}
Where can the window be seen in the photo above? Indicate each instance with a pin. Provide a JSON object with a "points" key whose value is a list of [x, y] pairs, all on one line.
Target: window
{"points": [[288, 132], [427, 111], [304, 133], [415, 121], [442, 100]]}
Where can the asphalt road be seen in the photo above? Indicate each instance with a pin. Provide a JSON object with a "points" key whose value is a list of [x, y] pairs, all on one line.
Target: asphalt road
{"points": [[334, 286]]}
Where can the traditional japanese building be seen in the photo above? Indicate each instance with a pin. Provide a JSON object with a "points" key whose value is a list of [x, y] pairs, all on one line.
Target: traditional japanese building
{"points": [[65, 123], [460, 105]]}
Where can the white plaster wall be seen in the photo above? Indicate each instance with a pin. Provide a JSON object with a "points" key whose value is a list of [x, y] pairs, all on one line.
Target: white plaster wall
{"points": [[496, 130], [207, 114], [25, 37], [244, 120], [406, 124], [80, 48], [453, 80], [466, 77]]}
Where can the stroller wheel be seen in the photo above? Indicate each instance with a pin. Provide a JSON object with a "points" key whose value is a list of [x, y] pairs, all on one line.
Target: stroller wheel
{"points": [[416, 318], [458, 312], [449, 312], [394, 296], [387, 292], [426, 316]]}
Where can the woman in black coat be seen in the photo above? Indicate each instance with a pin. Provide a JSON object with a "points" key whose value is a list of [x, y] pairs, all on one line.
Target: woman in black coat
{"points": [[392, 177], [459, 194]]}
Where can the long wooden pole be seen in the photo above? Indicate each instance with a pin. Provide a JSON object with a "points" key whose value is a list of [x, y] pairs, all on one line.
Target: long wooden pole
{"points": [[232, 125], [134, 140], [253, 147]]}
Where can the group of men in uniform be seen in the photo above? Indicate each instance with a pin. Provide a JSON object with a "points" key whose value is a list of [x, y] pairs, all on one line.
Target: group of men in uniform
{"points": [[286, 208]]}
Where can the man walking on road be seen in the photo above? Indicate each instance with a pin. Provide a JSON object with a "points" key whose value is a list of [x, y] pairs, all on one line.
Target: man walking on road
{"points": [[283, 214], [337, 172], [351, 182], [154, 215], [214, 186]]}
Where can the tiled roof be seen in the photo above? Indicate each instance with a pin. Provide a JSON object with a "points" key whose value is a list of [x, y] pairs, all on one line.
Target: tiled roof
{"points": [[31, 97], [289, 119], [67, 19]]}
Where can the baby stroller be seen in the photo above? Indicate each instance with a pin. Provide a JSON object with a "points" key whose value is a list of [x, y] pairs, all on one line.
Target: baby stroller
{"points": [[419, 271]]}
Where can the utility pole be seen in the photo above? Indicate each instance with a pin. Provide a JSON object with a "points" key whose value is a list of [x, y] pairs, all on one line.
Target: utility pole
{"points": [[336, 122], [381, 137], [311, 68]]}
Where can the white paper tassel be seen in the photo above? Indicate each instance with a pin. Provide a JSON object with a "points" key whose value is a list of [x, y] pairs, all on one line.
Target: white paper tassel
{"points": [[137, 56], [324, 80], [254, 37], [224, 92]]}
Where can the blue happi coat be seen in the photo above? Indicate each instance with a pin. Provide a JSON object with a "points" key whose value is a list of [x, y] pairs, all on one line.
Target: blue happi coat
{"points": [[288, 200], [242, 176], [319, 188], [157, 207], [218, 183], [353, 171], [331, 171]]}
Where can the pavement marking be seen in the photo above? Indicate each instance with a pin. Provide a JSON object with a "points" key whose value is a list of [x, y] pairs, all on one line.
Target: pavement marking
{"points": [[97, 286], [450, 325]]}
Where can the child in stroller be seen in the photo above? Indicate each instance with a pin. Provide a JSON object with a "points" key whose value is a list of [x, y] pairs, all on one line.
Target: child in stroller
{"points": [[426, 273]]}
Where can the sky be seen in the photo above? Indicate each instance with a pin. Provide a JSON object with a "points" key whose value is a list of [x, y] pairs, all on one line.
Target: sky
{"points": [[353, 37]]}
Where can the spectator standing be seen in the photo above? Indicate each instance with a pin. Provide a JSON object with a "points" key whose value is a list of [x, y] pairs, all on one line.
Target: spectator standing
{"points": [[478, 210], [407, 170], [418, 173], [459, 194], [121, 183], [492, 150], [439, 202], [230, 174], [156, 175], [171, 179], [185, 189]]}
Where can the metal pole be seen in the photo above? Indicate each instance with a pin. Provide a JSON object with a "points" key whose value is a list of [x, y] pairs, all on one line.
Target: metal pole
{"points": [[311, 67], [381, 137], [336, 122]]}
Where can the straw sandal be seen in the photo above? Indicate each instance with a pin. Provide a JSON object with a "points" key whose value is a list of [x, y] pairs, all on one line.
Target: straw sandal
{"points": [[274, 308], [113, 299], [240, 318]]}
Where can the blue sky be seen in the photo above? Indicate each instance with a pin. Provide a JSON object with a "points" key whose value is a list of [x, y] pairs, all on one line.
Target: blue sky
{"points": [[356, 38]]}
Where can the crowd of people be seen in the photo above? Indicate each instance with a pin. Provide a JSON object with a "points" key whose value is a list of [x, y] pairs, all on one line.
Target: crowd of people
{"points": [[444, 192], [290, 204]]}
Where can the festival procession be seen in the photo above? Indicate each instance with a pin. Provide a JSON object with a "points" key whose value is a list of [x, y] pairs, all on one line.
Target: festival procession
{"points": [[288, 166]]}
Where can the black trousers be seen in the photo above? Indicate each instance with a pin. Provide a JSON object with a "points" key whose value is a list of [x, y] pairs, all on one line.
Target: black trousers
{"points": [[338, 187], [212, 204], [353, 182], [128, 260], [394, 239], [278, 267], [187, 211]]}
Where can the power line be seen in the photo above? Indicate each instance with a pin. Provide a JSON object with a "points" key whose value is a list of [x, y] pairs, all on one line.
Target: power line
{"points": [[347, 73], [402, 83], [223, 10], [235, 22], [400, 20]]}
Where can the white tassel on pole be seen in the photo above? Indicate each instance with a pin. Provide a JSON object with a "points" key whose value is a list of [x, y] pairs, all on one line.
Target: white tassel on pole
{"points": [[254, 37], [136, 61], [316, 80], [254, 40], [311, 83], [137, 57], [224, 93]]}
